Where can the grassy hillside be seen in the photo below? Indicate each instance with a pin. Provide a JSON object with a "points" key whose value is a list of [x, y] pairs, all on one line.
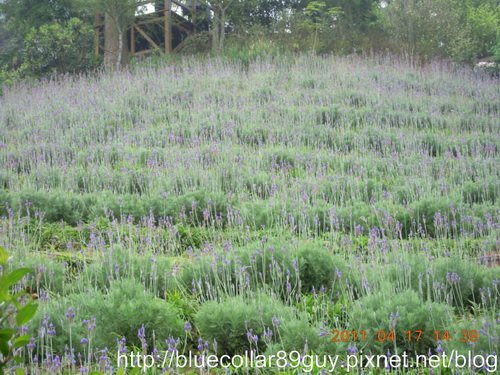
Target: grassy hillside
{"points": [[217, 208]]}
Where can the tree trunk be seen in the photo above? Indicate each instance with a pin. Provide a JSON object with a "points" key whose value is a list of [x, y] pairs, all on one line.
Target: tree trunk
{"points": [[115, 48], [120, 49], [215, 32], [218, 31], [222, 31], [111, 42]]}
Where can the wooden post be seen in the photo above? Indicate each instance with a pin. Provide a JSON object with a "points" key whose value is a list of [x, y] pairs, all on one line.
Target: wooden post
{"points": [[168, 27], [132, 40], [147, 37]]}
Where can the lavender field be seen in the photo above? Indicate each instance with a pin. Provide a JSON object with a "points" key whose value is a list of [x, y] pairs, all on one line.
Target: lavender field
{"points": [[288, 205]]}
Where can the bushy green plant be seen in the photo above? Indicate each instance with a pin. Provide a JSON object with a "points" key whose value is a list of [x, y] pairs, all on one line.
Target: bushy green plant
{"points": [[495, 50], [49, 276], [316, 266], [299, 335], [8, 77], [60, 48], [425, 211], [74, 208], [230, 321], [191, 236], [400, 312], [119, 313], [458, 281], [480, 191], [60, 237], [404, 271], [479, 334], [249, 49], [245, 268], [150, 271]]}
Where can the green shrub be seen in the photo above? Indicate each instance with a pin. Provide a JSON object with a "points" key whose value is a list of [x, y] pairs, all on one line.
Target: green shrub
{"points": [[485, 191], [459, 280], [425, 211], [119, 313], [152, 272], [75, 208], [402, 271], [259, 184], [246, 268], [282, 158], [49, 275], [300, 335], [227, 322], [400, 312], [60, 48], [328, 116], [56, 206], [269, 264], [480, 335], [191, 237], [317, 268], [432, 145], [285, 271], [57, 236]]}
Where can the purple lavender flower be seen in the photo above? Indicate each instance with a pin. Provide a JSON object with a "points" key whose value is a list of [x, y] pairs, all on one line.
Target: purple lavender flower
{"points": [[202, 344], [268, 334], [323, 332], [439, 348], [338, 273], [352, 349], [51, 330], [276, 322], [89, 324], [252, 337], [56, 362], [206, 214], [452, 277], [32, 344], [70, 314], [172, 344], [122, 347], [141, 333]]}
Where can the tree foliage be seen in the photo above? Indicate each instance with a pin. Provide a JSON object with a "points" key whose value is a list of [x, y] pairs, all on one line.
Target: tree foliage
{"points": [[59, 48], [23, 15], [461, 30]]}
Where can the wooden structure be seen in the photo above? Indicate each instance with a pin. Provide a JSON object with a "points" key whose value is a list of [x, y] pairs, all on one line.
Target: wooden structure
{"points": [[163, 30]]}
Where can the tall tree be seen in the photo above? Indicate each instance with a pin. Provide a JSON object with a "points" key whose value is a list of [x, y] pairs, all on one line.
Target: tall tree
{"points": [[119, 15], [19, 17], [23, 15], [218, 29], [425, 28], [59, 48]]}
